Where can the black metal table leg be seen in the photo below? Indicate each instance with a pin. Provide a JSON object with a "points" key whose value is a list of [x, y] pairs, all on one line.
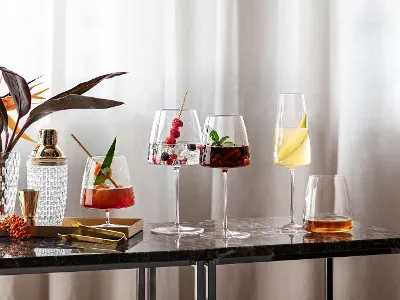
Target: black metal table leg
{"points": [[200, 286], [212, 280], [151, 283], [329, 278], [141, 284]]}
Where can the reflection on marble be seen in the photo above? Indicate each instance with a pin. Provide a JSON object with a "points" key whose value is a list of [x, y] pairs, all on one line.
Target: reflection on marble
{"points": [[265, 240]]}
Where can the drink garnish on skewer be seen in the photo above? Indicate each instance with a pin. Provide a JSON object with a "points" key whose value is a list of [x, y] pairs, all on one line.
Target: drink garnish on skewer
{"points": [[174, 132], [102, 171]]}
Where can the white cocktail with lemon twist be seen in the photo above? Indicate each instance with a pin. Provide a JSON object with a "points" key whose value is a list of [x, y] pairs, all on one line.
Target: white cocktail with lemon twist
{"points": [[292, 146], [291, 142]]}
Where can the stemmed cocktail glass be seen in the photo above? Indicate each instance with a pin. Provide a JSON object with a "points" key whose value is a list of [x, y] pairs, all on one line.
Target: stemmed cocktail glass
{"points": [[292, 142], [175, 142], [225, 146], [116, 192]]}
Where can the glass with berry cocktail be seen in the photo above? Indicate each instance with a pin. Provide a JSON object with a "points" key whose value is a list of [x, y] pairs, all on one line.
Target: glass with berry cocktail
{"points": [[175, 142], [225, 146]]}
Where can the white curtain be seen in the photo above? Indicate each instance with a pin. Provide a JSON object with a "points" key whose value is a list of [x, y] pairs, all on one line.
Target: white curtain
{"points": [[233, 57]]}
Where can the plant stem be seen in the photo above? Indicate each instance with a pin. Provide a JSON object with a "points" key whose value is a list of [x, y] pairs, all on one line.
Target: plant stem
{"points": [[14, 131]]}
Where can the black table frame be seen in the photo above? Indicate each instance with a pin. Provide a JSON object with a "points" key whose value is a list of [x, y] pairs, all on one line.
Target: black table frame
{"points": [[211, 289]]}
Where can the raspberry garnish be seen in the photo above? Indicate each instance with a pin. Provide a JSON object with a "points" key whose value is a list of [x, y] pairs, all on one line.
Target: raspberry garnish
{"points": [[175, 132], [177, 123], [170, 140], [170, 161], [174, 156]]}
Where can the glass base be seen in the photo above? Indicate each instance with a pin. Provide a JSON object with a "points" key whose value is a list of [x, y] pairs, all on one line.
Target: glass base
{"points": [[292, 228], [177, 230], [221, 235], [109, 225]]}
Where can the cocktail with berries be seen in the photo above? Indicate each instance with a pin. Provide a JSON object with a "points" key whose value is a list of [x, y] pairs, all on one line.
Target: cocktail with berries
{"points": [[225, 146], [175, 142]]}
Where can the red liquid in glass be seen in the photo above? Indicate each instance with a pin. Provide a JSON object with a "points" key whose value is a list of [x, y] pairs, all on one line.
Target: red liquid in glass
{"points": [[224, 157], [107, 198]]}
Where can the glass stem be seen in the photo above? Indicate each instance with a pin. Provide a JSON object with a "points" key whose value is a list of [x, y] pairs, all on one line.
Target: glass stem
{"points": [[225, 222], [291, 196], [107, 217], [176, 170]]}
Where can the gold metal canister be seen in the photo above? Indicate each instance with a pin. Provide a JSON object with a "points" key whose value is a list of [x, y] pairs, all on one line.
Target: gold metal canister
{"points": [[47, 152], [29, 200]]}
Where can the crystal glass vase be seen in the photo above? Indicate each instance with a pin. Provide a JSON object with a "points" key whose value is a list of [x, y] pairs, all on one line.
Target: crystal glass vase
{"points": [[9, 170], [47, 172]]}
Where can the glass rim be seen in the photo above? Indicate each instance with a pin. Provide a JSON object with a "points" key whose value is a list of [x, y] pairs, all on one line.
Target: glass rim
{"points": [[176, 109], [291, 94], [326, 176], [224, 115], [104, 156]]}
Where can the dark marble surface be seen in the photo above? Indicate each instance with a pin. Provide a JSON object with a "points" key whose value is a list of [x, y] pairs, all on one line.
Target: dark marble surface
{"points": [[146, 247]]}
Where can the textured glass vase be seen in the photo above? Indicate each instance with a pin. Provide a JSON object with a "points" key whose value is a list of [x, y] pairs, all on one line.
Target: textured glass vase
{"points": [[47, 172], [9, 171]]}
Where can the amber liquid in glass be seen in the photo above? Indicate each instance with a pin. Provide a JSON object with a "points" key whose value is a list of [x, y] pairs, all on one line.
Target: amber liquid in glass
{"points": [[329, 224], [224, 157], [111, 198]]}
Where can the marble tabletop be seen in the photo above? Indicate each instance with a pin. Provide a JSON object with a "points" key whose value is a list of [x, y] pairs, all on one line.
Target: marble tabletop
{"points": [[265, 243]]}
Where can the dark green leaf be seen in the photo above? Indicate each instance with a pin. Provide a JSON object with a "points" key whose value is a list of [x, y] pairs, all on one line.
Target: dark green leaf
{"points": [[105, 167], [86, 86], [3, 119], [68, 102], [222, 140], [29, 82], [19, 91], [214, 136]]}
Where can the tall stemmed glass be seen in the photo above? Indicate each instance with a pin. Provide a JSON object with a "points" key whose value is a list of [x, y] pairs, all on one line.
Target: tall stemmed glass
{"points": [[292, 142], [175, 142], [225, 146]]}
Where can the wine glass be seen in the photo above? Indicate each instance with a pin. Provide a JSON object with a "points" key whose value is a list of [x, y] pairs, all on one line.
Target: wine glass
{"points": [[328, 206], [292, 142], [115, 192], [175, 142], [225, 146]]}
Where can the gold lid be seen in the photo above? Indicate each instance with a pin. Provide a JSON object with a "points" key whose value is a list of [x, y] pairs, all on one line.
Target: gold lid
{"points": [[48, 136], [47, 149]]}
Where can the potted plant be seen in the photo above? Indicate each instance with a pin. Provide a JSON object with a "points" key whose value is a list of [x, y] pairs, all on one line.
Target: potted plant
{"points": [[20, 99]]}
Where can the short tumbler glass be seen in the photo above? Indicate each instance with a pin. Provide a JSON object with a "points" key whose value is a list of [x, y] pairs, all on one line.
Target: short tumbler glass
{"points": [[327, 205]]}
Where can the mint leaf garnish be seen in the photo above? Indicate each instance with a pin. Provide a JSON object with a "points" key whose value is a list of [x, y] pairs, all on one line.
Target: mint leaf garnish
{"points": [[223, 139], [216, 140], [214, 136], [105, 167]]}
